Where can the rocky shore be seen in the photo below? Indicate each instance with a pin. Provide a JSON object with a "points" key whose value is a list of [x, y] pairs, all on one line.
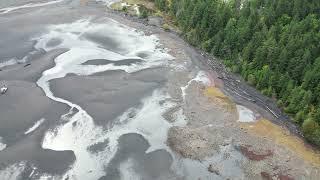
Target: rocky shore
{"points": [[212, 128]]}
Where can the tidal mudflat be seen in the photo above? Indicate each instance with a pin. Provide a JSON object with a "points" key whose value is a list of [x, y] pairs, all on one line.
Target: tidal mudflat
{"points": [[94, 95]]}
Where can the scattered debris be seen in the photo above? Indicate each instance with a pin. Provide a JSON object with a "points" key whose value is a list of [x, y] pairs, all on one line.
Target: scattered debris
{"points": [[285, 177], [193, 143], [253, 100], [213, 169], [268, 176], [132, 114], [3, 89], [26, 65]]}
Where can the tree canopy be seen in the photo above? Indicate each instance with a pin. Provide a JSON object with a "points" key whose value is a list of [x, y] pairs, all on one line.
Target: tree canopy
{"points": [[273, 44]]}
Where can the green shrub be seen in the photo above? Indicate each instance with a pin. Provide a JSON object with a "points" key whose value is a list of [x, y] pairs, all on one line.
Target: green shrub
{"points": [[125, 9], [235, 69], [311, 131], [280, 103], [251, 79], [143, 12], [166, 27], [315, 138], [300, 117]]}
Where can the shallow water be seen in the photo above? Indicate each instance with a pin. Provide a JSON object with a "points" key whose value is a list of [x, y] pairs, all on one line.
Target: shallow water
{"points": [[130, 44], [245, 114]]}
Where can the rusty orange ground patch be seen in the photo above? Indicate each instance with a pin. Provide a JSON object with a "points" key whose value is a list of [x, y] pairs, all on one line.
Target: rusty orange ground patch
{"points": [[281, 136]]}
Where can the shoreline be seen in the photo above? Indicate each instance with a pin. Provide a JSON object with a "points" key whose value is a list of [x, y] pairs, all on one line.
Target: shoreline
{"points": [[243, 93], [200, 59], [184, 108]]}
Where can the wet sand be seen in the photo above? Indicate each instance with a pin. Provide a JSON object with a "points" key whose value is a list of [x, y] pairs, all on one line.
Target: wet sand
{"points": [[126, 62], [31, 71], [25, 103], [132, 149], [45, 160], [21, 107], [107, 95]]}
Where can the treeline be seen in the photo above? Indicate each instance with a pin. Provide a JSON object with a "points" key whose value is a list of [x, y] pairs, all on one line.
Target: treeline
{"points": [[273, 44]]}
